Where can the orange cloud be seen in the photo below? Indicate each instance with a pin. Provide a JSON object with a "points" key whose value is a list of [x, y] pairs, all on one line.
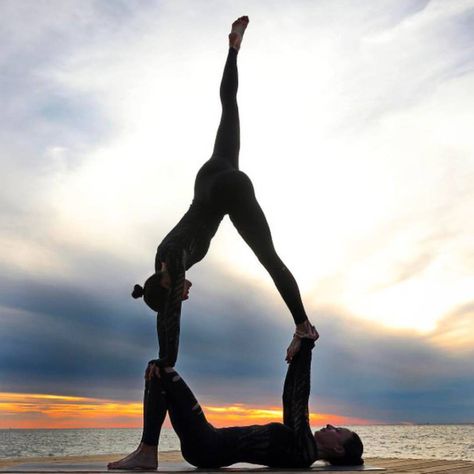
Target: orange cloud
{"points": [[241, 414], [26, 410]]}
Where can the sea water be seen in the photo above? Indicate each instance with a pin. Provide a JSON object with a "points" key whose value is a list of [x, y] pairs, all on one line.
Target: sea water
{"points": [[399, 441]]}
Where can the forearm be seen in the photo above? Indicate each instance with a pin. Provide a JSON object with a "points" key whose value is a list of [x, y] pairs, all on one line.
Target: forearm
{"points": [[295, 404], [168, 321], [168, 329], [297, 387]]}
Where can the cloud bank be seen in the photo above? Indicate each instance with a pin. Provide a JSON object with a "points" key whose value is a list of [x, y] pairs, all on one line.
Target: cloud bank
{"points": [[355, 129]]}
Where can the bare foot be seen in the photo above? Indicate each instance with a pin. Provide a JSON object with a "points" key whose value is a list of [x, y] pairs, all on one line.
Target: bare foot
{"points": [[303, 330], [144, 458], [293, 348], [237, 32], [125, 458], [306, 329]]}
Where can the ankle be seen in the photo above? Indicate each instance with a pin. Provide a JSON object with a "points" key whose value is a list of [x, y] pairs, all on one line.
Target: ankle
{"points": [[304, 326], [234, 41], [306, 330], [148, 449]]}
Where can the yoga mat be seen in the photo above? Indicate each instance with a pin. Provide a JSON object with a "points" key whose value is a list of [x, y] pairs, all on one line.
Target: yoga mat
{"points": [[173, 467]]}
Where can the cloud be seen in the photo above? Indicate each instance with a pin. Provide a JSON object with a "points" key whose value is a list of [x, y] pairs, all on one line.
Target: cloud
{"points": [[453, 333], [359, 118], [63, 334], [80, 342]]}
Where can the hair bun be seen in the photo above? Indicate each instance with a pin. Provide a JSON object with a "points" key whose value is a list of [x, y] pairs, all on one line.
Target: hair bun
{"points": [[137, 291]]}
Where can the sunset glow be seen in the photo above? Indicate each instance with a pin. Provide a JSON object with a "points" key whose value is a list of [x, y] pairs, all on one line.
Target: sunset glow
{"points": [[28, 411], [20, 410]]}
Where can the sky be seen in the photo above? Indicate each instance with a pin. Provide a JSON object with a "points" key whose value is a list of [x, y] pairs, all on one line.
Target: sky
{"points": [[356, 131]]}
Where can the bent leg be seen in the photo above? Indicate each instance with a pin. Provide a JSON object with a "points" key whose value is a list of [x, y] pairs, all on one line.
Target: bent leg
{"points": [[197, 436], [154, 412], [184, 409], [227, 143], [251, 223]]}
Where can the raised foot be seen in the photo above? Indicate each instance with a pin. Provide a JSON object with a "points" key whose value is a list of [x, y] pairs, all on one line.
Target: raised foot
{"points": [[303, 331], [136, 461], [306, 330], [237, 32]]}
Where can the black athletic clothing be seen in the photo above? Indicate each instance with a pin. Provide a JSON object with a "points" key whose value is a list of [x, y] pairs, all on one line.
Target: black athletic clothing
{"points": [[220, 188], [288, 444]]}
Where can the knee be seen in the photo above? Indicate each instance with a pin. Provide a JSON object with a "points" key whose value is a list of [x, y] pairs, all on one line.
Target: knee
{"points": [[271, 261], [197, 409]]}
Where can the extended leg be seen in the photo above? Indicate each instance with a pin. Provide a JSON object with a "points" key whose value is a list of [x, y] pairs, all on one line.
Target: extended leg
{"points": [[249, 220], [227, 144]]}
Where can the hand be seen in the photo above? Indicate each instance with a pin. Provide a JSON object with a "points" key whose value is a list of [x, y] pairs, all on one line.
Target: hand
{"points": [[152, 370], [187, 285], [293, 348]]}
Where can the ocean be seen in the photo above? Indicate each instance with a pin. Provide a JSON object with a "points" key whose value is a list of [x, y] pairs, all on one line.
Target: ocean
{"points": [[399, 441]]}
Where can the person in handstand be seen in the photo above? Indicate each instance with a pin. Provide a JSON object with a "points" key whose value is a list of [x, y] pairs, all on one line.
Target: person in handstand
{"points": [[290, 444], [220, 188]]}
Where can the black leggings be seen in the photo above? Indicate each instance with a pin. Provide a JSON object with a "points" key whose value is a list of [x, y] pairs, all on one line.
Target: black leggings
{"points": [[169, 393], [220, 183], [220, 188], [288, 444]]}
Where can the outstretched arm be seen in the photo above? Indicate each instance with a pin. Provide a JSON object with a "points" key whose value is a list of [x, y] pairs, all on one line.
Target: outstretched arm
{"points": [[295, 402], [168, 320]]}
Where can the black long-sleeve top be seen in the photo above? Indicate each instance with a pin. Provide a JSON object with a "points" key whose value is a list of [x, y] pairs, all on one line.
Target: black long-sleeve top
{"points": [[186, 244], [289, 444]]}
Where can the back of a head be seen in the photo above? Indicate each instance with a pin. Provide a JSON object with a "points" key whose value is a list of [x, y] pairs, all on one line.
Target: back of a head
{"points": [[152, 292], [352, 456]]}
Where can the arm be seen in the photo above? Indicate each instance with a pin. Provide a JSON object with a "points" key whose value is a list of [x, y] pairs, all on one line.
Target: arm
{"points": [[295, 402], [168, 320]]}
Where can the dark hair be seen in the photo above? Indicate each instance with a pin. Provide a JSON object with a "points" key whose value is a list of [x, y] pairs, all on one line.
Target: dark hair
{"points": [[152, 292], [137, 291], [353, 449]]}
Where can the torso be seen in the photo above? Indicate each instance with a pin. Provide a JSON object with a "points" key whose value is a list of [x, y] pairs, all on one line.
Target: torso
{"points": [[271, 445], [192, 235]]}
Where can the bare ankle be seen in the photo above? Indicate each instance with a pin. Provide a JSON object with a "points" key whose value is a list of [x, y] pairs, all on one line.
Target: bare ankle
{"points": [[304, 325], [238, 29], [148, 448]]}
